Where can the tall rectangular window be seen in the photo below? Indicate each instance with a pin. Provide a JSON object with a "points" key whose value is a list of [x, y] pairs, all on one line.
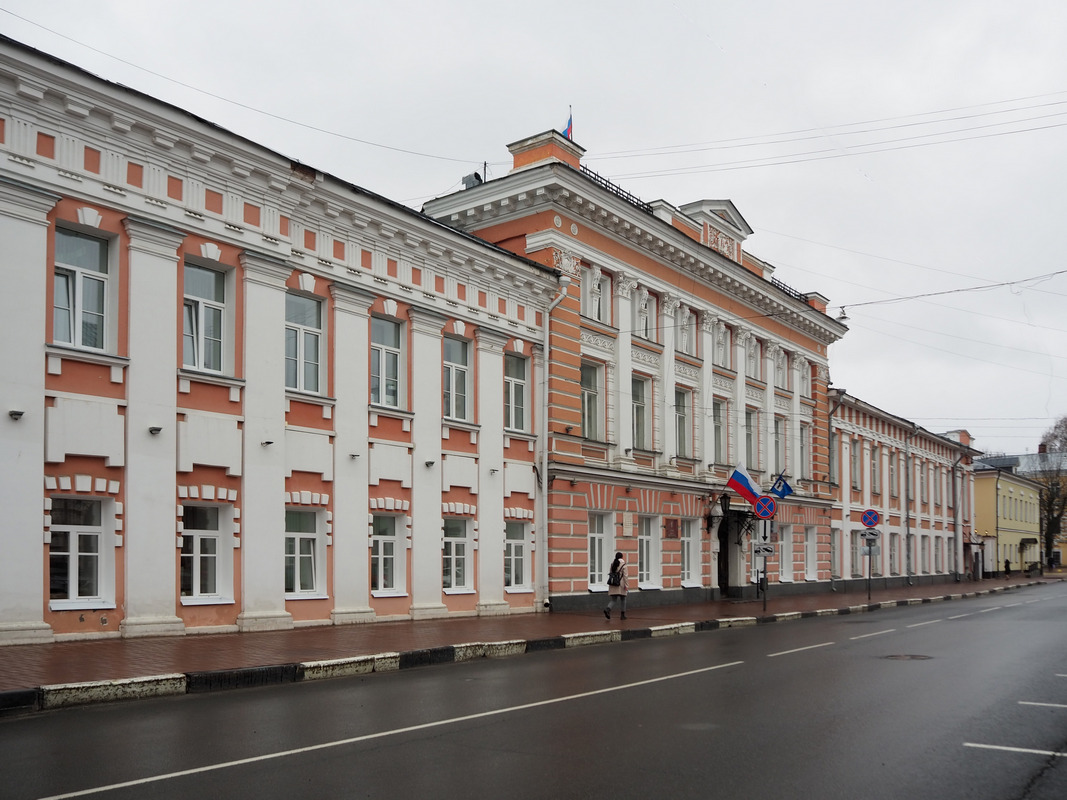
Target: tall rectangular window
{"points": [[591, 401], [752, 439], [385, 359], [834, 457], [515, 392], [894, 553], [516, 567], [597, 549], [718, 423], [646, 325], [805, 451], [924, 487], [200, 552], [685, 337], [596, 295], [301, 556], [80, 293], [640, 399], [203, 318], [455, 377], [303, 334], [876, 469], [455, 560], [811, 553], [690, 550], [835, 552], [648, 554], [779, 445], [386, 569], [894, 488], [723, 356], [74, 569], [683, 425], [855, 448]]}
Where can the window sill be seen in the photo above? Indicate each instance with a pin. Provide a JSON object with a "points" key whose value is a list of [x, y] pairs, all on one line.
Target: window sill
{"points": [[518, 590], [306, 596], [460, 424], [388, 593], [89, 356], [645, 587], [598, 587], [391, 411], [215, 378], [215, 600], [81, 604], [309, 397], [692, 585], [459, 591]]}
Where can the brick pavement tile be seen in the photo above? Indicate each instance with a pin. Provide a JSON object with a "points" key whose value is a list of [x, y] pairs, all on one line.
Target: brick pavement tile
{"points": [[29, 666]]}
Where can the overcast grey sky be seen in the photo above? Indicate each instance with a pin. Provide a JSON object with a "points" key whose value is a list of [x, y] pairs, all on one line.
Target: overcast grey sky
{"points": [[880, 150]]}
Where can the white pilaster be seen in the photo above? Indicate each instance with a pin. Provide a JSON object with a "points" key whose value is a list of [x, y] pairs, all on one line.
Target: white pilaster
{"points": [[151, 590], [490, 348], [263, 497], [351, 540], [23, 304], [427, 534]]}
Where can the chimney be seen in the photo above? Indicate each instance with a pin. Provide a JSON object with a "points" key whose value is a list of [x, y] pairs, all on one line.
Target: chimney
{"points": [[543, 148], [1042, 448]]}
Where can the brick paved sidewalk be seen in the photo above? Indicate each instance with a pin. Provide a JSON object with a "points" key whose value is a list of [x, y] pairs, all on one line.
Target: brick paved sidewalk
{"points": [[29, 667]]}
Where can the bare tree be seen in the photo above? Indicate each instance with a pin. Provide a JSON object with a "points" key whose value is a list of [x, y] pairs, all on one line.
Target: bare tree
{"points": [[1052, 475]]}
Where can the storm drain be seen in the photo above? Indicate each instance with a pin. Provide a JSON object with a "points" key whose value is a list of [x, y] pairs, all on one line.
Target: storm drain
{"points": [[906, 657]]}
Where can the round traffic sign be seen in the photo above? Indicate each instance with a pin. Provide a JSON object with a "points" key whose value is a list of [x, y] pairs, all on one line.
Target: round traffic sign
{"points": [[765, 506], [870, 518]]}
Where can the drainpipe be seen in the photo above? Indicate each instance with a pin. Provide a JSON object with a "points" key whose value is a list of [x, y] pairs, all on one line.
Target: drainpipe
{"points": [[996, 515], [542, 509]]}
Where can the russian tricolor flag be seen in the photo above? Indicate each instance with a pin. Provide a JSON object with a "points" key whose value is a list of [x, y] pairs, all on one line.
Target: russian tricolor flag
{"points": [[741, 483], [569, 130]]}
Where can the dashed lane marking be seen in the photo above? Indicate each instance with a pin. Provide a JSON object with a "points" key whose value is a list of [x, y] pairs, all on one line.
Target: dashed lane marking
{"points": [[1043, 705], [1026, 750], [799, 649], [920, 624], [869, 635]]}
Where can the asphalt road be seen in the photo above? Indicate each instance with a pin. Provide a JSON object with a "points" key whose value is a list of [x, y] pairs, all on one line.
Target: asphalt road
{"points": [[963, 699]]}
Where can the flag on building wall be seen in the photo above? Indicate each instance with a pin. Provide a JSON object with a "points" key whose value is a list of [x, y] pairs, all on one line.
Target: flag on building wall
{"points": [[781, 489], [569, 130], [741, 483]]}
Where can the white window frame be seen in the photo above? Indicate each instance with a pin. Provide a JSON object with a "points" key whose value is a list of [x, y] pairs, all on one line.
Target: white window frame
{"points": [[779, 445], [308, 547], [645, 315], [894, 553], [195, 311], [811, 553], [804, 470], [649, 555], [689, 543], [457, 561], [835, 552], [834, 457], [389, 358], [723, 356], [719, 412], [752, 439], [517, 557], [641, 407], [101, 534], [894, 485], [592, 400], [683, 421], [77, 277], [516, 393], [598, 550], [596, 295], [855, 450], [686, 339], [857, 554], [223, 556], [299, 337], [387, 552], [876, 469], [785, 553], [456, 400]]}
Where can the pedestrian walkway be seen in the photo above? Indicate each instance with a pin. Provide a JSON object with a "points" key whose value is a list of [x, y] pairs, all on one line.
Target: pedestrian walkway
{"points": [[39, 676]]}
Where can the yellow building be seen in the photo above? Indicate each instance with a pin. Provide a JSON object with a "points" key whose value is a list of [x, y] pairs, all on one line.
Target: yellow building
{"points": [[1007, 518]]}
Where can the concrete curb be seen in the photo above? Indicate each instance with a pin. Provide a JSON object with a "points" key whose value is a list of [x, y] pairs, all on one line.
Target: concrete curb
{"points": [[72, 694]]}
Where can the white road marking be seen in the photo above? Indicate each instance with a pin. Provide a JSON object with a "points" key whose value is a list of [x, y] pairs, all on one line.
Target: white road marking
{"points": [[1012, 605], [1044, 705], [960, 616], [799, 649], [920, 624], [1016, 749], [987, 610], [868, 635], [383, 734]]}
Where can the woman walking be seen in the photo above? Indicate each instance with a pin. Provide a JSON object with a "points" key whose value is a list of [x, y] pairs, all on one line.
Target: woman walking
{"points": [[617, 586]]}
